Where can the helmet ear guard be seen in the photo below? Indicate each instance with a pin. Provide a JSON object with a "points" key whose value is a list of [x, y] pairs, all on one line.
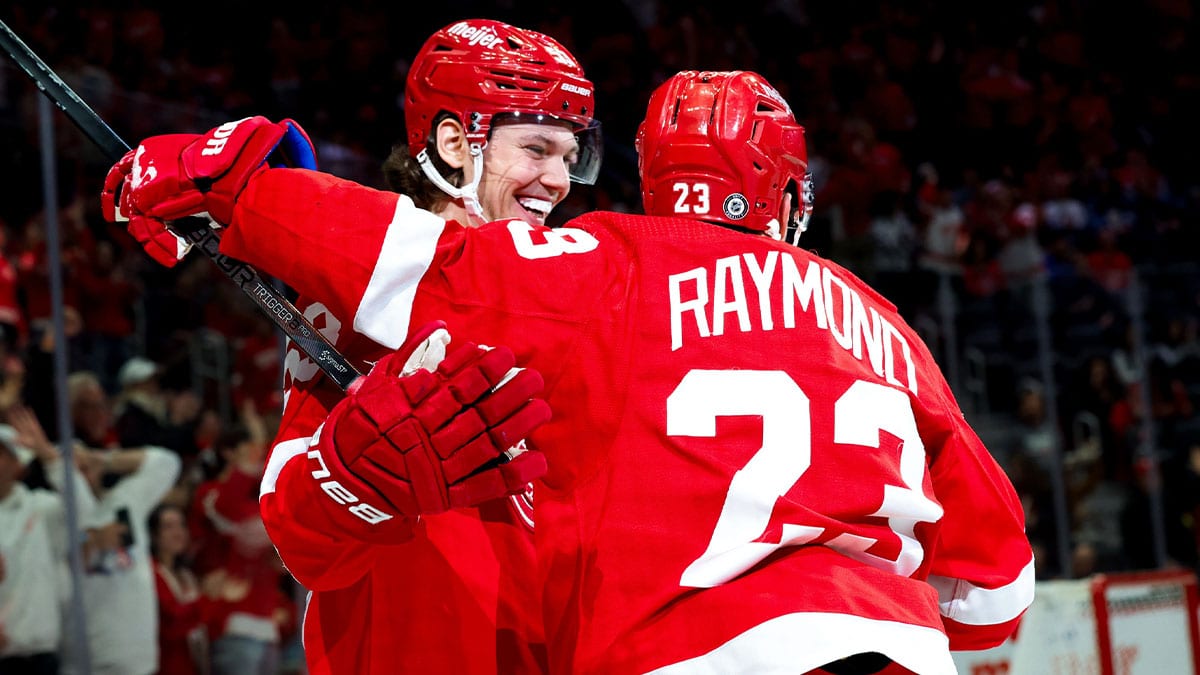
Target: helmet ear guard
{"points": [[724, 147]]}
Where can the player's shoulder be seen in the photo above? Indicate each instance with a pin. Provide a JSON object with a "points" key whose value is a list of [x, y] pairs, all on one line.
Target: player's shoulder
{"points": [[852, 279], [651, 239], [634, 225], [915, 351]]}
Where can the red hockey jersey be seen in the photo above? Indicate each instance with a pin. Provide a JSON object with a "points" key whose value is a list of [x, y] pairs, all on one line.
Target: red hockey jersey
{"points": [[755, 464], [444, 601]]}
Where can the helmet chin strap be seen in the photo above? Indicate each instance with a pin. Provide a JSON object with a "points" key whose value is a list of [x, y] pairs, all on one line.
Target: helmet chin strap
{"points": [[798, 219], [469, 193]]}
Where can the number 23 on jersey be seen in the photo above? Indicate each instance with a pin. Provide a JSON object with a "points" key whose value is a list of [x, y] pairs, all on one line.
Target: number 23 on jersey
{"points": [[865, 409]]}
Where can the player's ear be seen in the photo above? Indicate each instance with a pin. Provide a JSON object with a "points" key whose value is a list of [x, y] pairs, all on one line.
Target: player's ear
{"points": [[452, 145], [785, 218]]}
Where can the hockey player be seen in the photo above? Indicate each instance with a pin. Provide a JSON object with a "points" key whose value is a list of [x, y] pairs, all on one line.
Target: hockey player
{"points": [[500, 122], [755, 465]]}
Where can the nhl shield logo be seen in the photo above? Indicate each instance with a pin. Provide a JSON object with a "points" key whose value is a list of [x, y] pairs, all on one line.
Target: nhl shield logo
{"points": [[736, 207]]}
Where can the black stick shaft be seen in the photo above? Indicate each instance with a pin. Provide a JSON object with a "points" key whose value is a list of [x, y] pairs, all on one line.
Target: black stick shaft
{"points": [[280, 310]]}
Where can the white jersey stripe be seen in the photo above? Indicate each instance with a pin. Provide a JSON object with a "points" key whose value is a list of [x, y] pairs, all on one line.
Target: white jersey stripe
{"points": [[280, 455], [797, 643], [967, 603], [408, 249]]}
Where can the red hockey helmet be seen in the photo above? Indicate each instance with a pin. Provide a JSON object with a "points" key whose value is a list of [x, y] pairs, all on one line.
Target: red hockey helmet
{"points": [[479, 69], [724, 147]]}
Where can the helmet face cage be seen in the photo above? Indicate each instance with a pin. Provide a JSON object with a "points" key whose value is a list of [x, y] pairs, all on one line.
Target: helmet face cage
{"points": [[478, 69], [723, 147]]}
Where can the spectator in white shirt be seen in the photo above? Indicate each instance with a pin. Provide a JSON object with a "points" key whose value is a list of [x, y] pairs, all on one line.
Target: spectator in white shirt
{"points": [[119, 595], [34, 543]]}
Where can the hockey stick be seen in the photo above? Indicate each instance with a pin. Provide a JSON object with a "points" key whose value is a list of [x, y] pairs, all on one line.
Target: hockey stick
{"points": [[280, 310]]}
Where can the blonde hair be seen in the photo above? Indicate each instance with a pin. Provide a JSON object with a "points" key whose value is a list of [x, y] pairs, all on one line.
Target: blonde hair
{"points": [[77, 382]]}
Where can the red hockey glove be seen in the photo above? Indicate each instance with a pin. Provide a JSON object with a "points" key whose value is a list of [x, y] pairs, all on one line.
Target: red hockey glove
{"points": [[408, 441], [172, 176]]}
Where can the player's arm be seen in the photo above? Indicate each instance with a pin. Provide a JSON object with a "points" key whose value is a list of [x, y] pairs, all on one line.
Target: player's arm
{"points": [[388, 244], [982, 562], [148, 473], [289, 223], [307, 533], [420, 434], [313, 541]]}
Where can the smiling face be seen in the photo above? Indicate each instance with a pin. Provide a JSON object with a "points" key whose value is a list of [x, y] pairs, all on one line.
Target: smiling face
{"points": [[525, 171]]}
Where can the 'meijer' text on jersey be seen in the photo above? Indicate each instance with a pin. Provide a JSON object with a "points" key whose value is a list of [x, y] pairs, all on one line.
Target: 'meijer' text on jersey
{"points": [[703, 298]]}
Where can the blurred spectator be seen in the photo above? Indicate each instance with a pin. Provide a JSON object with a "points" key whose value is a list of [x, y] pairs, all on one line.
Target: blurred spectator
{"points": [[1064, 263], [258, 365], [1089, 112], [39, 354], [182, 638], [1097, 394], [1061, 211], [982, 277], [33, 263], [91, 411], [1107, 263], [1035, 438], [1084, 316], [148, 415], [847, 193], [1178, 348], [1098, 502], [1139, 181], [894, 243], [945, 240], [107, 299], [1021, 257], [1174, 350], [33, 549], [998, 96], [119, 599], [1175, 482], [12, 380], [251, 615], [1126, 360], [13, 325]]}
